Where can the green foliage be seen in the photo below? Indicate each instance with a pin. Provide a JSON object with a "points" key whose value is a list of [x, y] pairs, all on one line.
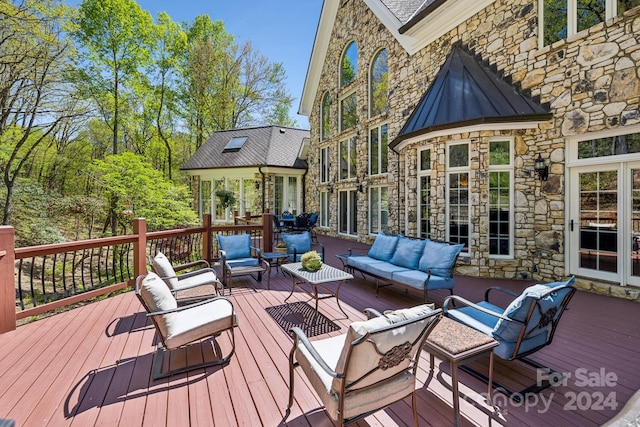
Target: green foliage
{"points": [[311, 261], [138, 187]]}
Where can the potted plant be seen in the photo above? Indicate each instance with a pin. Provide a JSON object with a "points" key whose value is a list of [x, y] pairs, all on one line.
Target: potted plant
{"points": [[226, 198], [281, 247]]}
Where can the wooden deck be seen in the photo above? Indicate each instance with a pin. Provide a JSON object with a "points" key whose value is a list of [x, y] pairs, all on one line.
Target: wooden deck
{"points": [[91, 366]]}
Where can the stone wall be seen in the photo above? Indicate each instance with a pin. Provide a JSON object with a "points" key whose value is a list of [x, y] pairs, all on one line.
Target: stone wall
{"points": [[590, 81]]}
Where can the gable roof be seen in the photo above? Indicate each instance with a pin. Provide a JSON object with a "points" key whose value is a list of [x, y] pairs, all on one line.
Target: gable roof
{"points": [[413, 23], [464, 93], [264, 146]]}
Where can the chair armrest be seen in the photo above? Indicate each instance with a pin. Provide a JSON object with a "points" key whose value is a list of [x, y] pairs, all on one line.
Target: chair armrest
{"points": [[371, 313], [321, 249], [257, 251], [195, 304], [445, 307], [351, 250], [192, 264], [195, 273], [223, 256], [299, 337], [499, 289]]}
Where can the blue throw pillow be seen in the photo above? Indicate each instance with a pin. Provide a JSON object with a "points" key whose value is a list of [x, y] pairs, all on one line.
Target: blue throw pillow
{"points": [[236, 246], [300, 241], [438, 258], [383, 247], [408, 252]]}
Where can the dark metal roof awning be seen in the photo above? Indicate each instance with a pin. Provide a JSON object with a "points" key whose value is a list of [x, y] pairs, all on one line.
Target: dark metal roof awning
{"points": [[466, 93]]}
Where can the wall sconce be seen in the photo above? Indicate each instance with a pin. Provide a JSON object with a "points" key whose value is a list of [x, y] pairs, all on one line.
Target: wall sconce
{"points": [[540, 168], [330, 187], [257, 184]]}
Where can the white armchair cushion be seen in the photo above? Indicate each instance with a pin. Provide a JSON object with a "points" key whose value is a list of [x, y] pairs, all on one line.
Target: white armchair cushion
{"points": [[199, 322], [158, 297], [163, 267]]}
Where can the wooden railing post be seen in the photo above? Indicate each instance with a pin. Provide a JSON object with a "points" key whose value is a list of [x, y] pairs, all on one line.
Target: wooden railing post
{"points": [[7, 280], [140, 247], [207, 245], [267, 232]]}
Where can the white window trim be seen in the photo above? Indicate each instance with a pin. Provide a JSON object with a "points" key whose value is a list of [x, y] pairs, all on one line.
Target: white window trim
{"points": [[572, 147], [378, 188], [505, 168], [325, 167], [351, 232], [342, 97], [370, 79], [325, 94], [419, 174], [355, 172]]}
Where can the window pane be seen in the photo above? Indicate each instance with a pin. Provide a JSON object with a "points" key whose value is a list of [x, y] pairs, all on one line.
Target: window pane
{"points": [[379, 83], [324, 209], [425, 207], [499, 204], [205, 197], [555, 21], [324, 164], [374, 209], [349, 69], [348, 113], [326, 105], [292, 191], [499, 153], [590, 12], [459, 209], [425, 160], [373, 151], [459, 155], [624, 5], [278, 201], [384, 148], [611, 146]]}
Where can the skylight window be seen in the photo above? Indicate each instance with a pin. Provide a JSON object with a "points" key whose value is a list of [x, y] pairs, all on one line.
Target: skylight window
{"points": [[235, 143]]}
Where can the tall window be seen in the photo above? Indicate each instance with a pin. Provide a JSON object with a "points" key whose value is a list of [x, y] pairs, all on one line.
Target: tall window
{"points": [[458, 193], [424, 176], [378, 150], [348, 158], [324, 209], [324, 165], [348, 210], [378, 209], [500, 198], [379, 84], [205, 197], [563, 18], [349, 64], [324, 116]]}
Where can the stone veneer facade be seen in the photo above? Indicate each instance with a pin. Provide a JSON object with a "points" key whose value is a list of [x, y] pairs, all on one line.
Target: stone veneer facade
{"points": [[590, 81]]}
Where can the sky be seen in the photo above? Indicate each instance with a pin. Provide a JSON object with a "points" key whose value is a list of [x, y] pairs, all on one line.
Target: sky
{"points": [[282, 30]]}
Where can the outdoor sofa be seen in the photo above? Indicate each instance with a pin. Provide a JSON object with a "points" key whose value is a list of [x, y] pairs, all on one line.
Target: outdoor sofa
{"points": [[424, 265]]}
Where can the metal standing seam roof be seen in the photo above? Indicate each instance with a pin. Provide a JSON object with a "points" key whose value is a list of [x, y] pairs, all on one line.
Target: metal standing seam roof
{"points": [[466, 92], [265, 146]]}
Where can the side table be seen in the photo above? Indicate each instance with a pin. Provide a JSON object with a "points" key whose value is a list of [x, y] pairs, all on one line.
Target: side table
{"points": [[343, 259], [455, 342], [274, 258]]}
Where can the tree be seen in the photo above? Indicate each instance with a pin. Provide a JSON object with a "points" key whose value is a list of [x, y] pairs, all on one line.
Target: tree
{"points": [[34, 96], [142, 191], [117, 35]]}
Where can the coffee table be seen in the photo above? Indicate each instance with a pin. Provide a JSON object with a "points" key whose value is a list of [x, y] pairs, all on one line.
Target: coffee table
{"points": [[317, 279], [456, 343]]}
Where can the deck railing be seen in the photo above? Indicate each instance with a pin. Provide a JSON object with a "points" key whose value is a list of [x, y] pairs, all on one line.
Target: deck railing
{"points": [[47, 277]]}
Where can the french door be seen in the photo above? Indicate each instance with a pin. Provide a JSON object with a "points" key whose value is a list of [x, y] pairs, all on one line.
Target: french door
{"points": [[604, 222]]}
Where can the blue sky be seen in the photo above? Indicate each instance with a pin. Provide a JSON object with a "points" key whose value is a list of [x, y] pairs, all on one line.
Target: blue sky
{"points": [[283, 30]]}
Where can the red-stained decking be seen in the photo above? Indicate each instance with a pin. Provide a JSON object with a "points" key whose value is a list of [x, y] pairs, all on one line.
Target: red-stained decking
{"points": [[91, 366]]}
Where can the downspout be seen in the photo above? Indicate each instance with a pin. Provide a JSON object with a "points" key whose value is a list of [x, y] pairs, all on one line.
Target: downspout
{"points": [[264, 191]]}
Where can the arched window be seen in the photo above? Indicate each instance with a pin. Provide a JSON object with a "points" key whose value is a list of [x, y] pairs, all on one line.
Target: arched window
{"points": [[349, 64], [379, 84], [324, 116]]}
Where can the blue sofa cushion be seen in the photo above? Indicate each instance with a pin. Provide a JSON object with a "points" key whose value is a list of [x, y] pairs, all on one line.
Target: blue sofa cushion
{"points": [[361, 262], [438, 258], [298, 242], [383, 247], [408, 252], [235, 246], [416, 279], [384, 269]]}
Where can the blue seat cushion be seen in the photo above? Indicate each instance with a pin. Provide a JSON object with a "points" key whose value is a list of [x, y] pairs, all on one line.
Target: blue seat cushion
{"points": [[235, 246], [243, 262], [438, 258], [383, 247], [361, 262], [417, 278], [477, 319], [384, 270], [298, 242], [408, 252]]}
